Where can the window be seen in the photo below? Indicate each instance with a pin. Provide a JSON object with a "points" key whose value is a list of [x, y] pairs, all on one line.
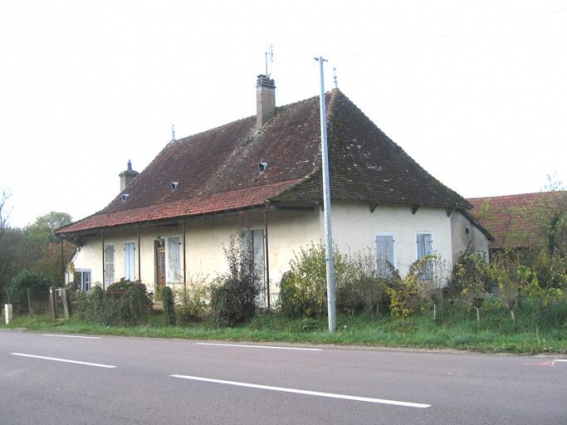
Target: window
{"points": [[173, 260], [108, 265], [425, 247], [253, 242], [82, 278], [384, 254], [129, 261]]}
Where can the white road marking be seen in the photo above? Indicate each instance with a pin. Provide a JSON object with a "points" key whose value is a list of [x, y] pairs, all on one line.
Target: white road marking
{"points": [[560, 360], [269, 347], [73, 336], [304, 392], [63, 360]]}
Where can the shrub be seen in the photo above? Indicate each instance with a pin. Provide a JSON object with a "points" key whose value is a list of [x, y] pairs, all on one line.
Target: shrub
{"points": [[406, 294], [362, 288], [504, 270], [234, 294], [303, 292], [123, 303], [91, 306], [191, 298], [471, 280], [168, 306], [127, 303], [36, 282]]}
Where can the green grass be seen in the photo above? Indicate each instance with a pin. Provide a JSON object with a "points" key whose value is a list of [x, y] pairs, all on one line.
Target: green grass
{"points": [[535, 331]]}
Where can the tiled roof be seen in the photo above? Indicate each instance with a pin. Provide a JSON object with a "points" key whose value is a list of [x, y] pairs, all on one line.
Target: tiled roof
{"points": [[515, 221], [217, 169]]}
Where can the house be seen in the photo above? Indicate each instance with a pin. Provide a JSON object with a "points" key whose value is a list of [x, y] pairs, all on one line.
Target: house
{"points": [[263, 173], [523, 221]]}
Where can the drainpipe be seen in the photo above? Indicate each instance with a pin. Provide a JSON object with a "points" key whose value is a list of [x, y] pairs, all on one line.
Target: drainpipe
{"points": [[267, 256], [103, 268], [184, 257], [139, 257], [62, 265]]}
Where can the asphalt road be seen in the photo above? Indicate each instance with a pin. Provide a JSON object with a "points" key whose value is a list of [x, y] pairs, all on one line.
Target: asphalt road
{"points": [[67, 380]]}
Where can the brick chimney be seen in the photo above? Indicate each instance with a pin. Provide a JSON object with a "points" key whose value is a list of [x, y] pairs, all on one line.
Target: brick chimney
{"points": [[265, 100], [127, 176]]}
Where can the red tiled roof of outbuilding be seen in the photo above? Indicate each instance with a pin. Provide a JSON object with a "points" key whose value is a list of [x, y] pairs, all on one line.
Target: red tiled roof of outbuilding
{"points": [[515, 221]]}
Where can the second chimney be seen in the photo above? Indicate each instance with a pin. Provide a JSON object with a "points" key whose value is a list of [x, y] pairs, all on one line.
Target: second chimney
{"points": [[265, 100], [127, 176]]}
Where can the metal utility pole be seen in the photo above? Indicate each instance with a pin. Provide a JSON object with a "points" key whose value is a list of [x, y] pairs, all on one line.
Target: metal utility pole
{"points": [[329, 260]]}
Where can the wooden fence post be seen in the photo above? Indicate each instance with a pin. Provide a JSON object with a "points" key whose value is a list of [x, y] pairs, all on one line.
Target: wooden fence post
{"points": [[53, 302], [65, 303], [30, 307]]}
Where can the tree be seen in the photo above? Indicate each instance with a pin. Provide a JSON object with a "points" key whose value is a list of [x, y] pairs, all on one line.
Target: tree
{"points": [[471, 275], [45, 247], [552, 216], [8, 237], [41, 231]]}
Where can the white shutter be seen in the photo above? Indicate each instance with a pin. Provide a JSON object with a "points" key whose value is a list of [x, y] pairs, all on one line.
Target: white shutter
{"points": [[108, 265], [425, 247], [253, 242], [129, 261], [384, 254]]}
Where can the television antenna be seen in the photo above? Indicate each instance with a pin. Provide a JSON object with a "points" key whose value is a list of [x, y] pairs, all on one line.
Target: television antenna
{"points": [[269, 57], [335, 78]]}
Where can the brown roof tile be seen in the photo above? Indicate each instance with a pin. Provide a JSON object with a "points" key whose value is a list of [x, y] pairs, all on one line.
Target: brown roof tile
{"points": [[217, 169]]}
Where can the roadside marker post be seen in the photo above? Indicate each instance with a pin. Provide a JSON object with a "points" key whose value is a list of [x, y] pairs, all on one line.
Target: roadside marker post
{"points": [[8, 313]]}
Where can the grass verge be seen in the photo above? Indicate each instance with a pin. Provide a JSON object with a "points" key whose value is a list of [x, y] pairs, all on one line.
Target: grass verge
{"points": [[455, 328]]}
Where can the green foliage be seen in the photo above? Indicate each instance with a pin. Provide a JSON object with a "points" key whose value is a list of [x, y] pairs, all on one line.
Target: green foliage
{"points": [[36, 282], [504, 270], [91, 306], [233, 298], [191, 299], [551, 271], [363, 289], [471, 280], [124, 303], [169, 306], [41, 231], [406, 297], [303, 291]]}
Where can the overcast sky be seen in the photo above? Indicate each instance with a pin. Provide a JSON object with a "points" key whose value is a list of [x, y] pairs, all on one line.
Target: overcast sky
{"points": [[475, 91]]}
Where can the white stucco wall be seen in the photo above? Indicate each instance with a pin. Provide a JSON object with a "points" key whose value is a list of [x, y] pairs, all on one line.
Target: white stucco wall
{"points": [[465, 235], [355, 229], [205, 240]]}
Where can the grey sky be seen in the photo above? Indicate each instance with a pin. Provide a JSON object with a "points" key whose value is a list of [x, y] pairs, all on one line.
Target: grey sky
{"points": [[474, 91]]}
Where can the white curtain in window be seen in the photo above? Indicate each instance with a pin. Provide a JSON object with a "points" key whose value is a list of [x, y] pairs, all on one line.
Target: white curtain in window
{"points": [[173, 263]]}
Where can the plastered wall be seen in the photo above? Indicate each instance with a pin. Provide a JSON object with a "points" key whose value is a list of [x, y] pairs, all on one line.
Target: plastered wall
{"points": [[205, 240]]}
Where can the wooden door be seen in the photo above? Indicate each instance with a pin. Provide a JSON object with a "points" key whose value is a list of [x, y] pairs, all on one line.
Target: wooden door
{"points": [[160, 264]]}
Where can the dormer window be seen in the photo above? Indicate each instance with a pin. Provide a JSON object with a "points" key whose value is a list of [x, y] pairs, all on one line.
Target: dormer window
{"points": [[125, 196], [262, 166], [174, 185]]}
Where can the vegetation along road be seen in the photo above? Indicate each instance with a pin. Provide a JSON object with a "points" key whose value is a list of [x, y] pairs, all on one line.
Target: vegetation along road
{"points": [[64, 379]]}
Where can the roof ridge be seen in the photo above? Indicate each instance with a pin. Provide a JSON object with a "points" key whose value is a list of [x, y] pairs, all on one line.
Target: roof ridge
{"points": [[513, 195]]}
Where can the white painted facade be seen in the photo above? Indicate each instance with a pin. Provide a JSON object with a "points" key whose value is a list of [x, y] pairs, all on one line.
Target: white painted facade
{"points": [[205, 241], [465, 235], [355, 228]]}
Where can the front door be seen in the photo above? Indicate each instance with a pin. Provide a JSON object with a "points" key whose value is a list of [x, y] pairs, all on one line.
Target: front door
{"points": [[160, 264]]}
